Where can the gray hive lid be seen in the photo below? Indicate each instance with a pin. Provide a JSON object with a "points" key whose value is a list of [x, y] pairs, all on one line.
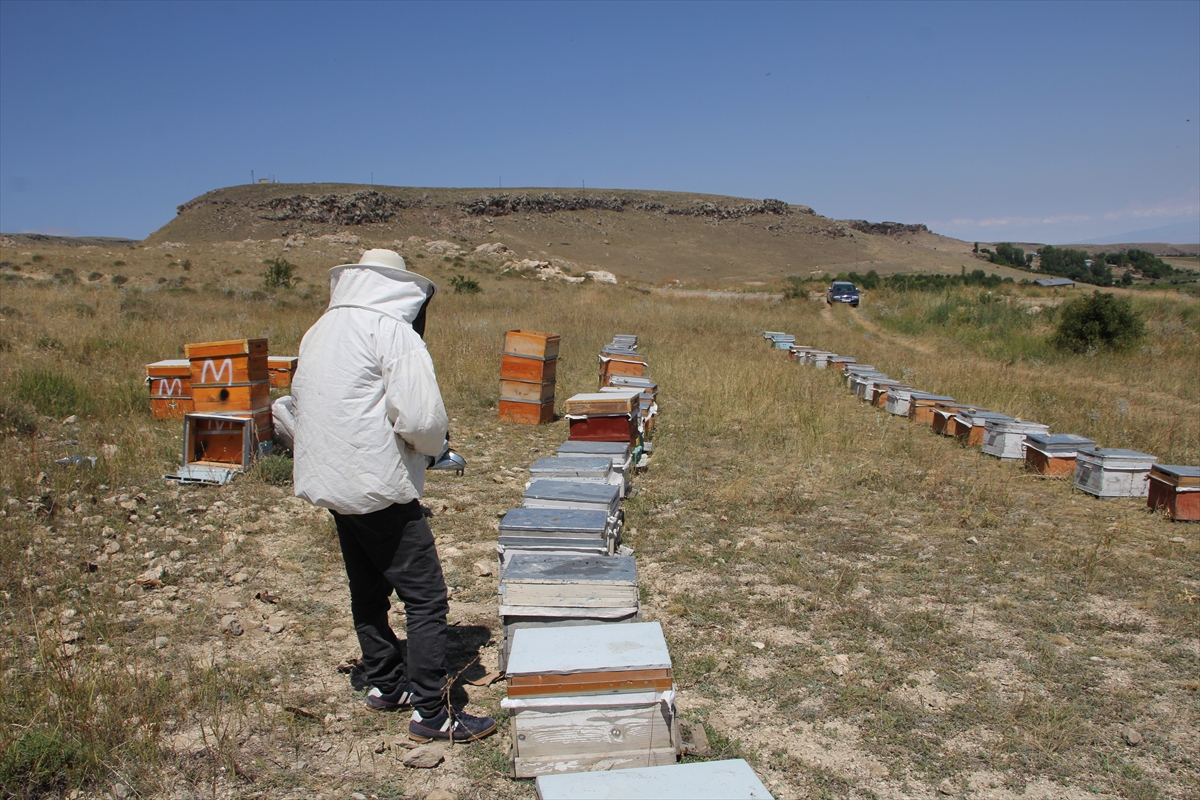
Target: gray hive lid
{"points": [[1117, 458], [1011, 425], [1178, 470], [582, 466], [632, 380], [982, 417], [861, 368], [1054, 442], [588, 648], [581, 543], [934, 397], [706, 780], [548, 521], [887, 383], [609, 449], [617, 350], [554, 568], [842, 359], [572, 491]]}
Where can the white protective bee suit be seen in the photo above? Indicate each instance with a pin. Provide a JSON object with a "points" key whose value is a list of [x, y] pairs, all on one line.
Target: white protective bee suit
{"points": [[366, 400]]}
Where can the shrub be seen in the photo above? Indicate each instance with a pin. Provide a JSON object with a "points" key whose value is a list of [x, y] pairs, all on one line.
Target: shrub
{"points": [[464, 285], [17, 419], [794, 288], [95, 276], [1102, 320], [51, 393], [279, 275], [119, 280]]}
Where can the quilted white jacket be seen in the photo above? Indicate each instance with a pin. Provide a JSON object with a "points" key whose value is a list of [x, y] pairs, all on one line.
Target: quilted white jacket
{"points": [[367, 405]]}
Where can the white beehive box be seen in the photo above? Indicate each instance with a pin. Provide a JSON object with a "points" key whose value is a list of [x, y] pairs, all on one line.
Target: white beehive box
{"points": [[820, 359], [1005, 438], [618, 452], [706, 780], [556, 530], [1113, 472], [592, 469], [584, 696], [551, 590], [573, 494], [898, 400]]}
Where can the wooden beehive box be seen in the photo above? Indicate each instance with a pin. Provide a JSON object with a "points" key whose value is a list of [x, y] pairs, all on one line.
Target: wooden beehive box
{"points": [[527, 391], [704, 780], [943, 417], [820, 358], [524, 368], [796, 351], [621, 365], [582, 695], [623, 428], [1005, 438], [170, 384], [840, 363], [281, 370], [216, 446], [1053, 454], [783, 341], [1176, 489], [618, 402], [972, 431], [573, 494], [541, 590], [620, 454], [594, 469], [532, 344], [861, 383], [921, 405], [1113, 472], [556, 530], [880, 389], [528, 413], [230, 376]]}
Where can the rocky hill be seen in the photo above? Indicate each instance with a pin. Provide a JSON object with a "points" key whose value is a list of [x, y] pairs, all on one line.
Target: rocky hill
{"points": [[653, 237]]}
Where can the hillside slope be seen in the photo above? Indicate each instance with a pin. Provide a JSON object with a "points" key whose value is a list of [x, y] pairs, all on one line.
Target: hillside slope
{"points": [[650, 237]]}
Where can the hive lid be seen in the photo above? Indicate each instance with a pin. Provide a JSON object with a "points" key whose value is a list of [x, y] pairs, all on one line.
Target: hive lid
{"points": [[1059, 441], [171, 362], [565, 491], [579, 466], [588, 648], [934, 397], [706, 780], [594, 448], [571, 569], [554, 520], [565, 542], [1178, 471], [1113, 456]]}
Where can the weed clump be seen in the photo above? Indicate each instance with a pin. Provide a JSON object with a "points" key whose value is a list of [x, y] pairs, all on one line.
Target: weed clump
{"points": [[274, 470], [280, 274], [51, 393], [1100, 321], [465, 285]]}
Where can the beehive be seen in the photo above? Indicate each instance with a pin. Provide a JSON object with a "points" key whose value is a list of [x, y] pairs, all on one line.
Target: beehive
{"points": [[1053, 454], [557, 530], [543, 590], [620, 454], [281, 370], [1113, 472], [170, 384], [527, 412], [1175, 489], [705, 780], [922, 404], [1005, 438], [971, 424], [573, 494], [581, 695], [232, 377]]}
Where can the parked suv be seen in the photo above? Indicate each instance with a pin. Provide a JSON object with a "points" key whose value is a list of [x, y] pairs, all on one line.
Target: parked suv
{"points": [[842, 292]]}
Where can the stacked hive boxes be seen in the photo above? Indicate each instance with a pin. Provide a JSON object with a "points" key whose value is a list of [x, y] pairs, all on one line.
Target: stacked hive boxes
{"points": [[528, 367], [587, 682], [620, 357]]}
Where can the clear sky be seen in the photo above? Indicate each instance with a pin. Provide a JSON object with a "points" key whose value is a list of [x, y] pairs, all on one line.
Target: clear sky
{"points": [[1045, 122]]}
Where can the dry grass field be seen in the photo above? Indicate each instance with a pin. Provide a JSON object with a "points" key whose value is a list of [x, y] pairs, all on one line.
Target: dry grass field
{"points": [[858, 607]]}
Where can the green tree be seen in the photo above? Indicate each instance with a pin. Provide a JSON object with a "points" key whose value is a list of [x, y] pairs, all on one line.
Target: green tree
{"points": [[1100, 321]]}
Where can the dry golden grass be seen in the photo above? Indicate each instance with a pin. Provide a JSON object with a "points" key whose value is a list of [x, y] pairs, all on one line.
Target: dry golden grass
{"points": [[811, 558]]}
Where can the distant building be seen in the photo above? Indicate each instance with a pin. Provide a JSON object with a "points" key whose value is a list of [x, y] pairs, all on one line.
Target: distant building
{"points": [[1056, 283]]}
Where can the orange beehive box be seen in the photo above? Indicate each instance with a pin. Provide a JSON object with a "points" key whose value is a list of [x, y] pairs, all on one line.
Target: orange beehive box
{"points": [[524, 368], [532, 344], [236, 397], [527, 391], [228, 362], [170, 384], [623, 365], [1176, 489], [282, 369], [527, 412]]}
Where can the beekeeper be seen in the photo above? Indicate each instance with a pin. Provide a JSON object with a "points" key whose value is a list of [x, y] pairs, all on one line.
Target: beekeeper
{"points": [[368, 413]]}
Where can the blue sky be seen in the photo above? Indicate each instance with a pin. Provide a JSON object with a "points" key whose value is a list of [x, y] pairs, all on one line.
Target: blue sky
{"points": [[1012, 121]]}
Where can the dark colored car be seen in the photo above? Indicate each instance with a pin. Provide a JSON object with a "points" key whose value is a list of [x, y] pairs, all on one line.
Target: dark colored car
{"points": [[842, 292]]}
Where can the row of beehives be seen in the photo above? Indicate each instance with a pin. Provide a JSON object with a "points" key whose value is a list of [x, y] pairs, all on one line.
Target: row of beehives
{"points": [[1103, 472], [222, 391], [590, 687]]}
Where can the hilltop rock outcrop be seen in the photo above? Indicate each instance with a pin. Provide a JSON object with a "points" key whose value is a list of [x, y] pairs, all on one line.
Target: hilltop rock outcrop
{"points": [[886, 228]]}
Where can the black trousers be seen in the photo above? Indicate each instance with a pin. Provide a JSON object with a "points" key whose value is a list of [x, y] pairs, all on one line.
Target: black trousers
{"points": [[393, 550]]}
